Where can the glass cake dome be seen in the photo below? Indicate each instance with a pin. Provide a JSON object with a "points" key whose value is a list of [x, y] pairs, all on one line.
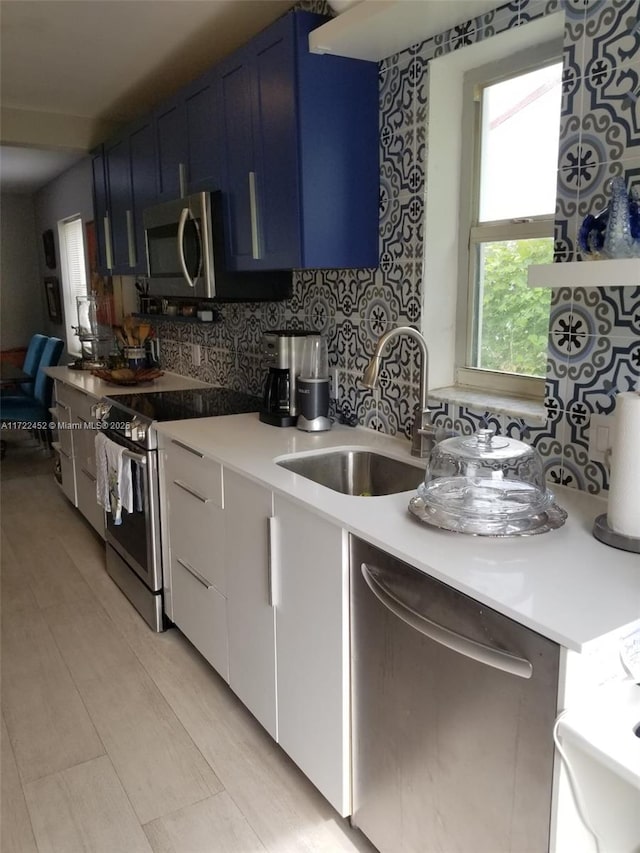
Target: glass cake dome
{"points": [[486, 485]]}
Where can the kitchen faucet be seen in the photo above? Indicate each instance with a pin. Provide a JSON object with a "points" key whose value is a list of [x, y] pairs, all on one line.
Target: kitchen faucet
{"points": [[423, 433]]}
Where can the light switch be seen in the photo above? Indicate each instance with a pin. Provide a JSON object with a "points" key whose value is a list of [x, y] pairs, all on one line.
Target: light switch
{"points": [[195, 354]]}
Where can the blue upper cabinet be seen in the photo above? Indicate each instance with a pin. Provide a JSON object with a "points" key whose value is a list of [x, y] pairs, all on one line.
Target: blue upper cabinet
{"points": [[203, 132], [143, 187], [300, 153], [171, 147], [100, 207], [131, 186], [186, 138]]}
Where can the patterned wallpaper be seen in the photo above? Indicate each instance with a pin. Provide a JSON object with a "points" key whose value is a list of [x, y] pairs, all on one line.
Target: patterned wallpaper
{"points": [[594, 337]]}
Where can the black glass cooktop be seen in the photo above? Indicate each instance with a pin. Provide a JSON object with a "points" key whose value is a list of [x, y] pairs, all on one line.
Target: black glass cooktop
{"points": [[186, 404]]}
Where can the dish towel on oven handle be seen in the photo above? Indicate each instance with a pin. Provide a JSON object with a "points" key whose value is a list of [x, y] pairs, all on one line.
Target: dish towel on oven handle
{"points": [[114, 487]]}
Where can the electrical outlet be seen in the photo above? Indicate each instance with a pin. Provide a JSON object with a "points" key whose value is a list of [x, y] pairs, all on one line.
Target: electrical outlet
{"points": [[195, 354], [600, 427]]}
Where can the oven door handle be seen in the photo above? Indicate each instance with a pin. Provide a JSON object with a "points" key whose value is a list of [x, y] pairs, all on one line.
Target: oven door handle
{"points": [[137, 458]]}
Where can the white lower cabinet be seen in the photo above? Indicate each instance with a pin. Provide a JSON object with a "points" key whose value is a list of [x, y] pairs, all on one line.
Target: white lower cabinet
{"points": [[67, 472], [278, 629], [193, 525], [251, 616], [76, 449], [85, 469], [200, 612], [311, 587]]}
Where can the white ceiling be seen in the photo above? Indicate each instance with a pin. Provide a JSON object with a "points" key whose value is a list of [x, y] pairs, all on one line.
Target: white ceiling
{"points": [[24, 170], [74, 69]]}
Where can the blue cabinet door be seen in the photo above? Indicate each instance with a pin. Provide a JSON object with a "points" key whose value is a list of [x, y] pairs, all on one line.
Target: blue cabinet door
{"points": [[239, 160], [202, 127], [260, 153], [100, 206], [117, 164], [143, 185], [275, 111], [171, 148], [130, 167], [301, 175]]}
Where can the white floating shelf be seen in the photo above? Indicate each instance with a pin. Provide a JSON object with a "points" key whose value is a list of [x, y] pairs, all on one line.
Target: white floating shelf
{"points": [[621, 272], [376, 29]]}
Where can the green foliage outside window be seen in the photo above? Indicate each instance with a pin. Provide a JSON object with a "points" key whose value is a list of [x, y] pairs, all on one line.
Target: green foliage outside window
{"points": [[515, 318]]}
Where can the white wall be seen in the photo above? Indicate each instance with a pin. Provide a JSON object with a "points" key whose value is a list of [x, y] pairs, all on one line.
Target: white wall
{"points": [[22, 308], [67, 195]]}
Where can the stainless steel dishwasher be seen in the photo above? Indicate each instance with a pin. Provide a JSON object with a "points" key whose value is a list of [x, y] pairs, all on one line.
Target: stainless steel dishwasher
{"points": [[453, 709]]}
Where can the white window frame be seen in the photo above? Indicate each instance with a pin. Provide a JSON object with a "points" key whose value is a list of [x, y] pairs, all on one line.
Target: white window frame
{"points": [[75, 282], [442, 231], [478, 232]]}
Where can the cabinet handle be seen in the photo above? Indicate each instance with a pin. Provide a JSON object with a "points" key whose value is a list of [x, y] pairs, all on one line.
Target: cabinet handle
{"points": [[131, 240], [191, 491], [187, 448], [89, 474], [182, 179], [255, 229], [107, 243], [193, 572], [272, 529]]}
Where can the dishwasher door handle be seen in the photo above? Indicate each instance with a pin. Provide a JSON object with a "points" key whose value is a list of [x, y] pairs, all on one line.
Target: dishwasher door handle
{"points": [[488, 655]]}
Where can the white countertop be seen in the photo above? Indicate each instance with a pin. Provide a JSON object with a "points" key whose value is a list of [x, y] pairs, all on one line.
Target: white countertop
{"points": [[85, 381], [564, 584]]}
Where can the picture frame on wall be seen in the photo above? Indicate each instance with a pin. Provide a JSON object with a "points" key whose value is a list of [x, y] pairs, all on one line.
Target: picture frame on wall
{"points": [[52, 289], [49, 245]]}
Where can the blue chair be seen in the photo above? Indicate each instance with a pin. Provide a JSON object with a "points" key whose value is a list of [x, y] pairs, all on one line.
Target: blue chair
{"points": [[30, 365], [21, 409], [32, 360]]}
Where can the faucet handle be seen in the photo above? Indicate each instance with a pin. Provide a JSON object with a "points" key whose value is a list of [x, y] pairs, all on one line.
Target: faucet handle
{"points": [[423, 433]]}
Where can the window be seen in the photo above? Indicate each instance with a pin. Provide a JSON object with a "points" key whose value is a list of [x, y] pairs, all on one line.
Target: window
{"points": [[511, 122], [74, 276]]}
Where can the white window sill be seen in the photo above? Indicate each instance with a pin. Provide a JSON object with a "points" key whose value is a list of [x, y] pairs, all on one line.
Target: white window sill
{"points": [[488, 401]]}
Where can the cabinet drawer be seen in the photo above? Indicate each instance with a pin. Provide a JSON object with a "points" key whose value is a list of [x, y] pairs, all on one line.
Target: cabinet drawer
{"points": [[79, 402], [87, 501], [201, 614], [67, 471], [65, 433], [84, 448], [193, 471], [197, 532]]}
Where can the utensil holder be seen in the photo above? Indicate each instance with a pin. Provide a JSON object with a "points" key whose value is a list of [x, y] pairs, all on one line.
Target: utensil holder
{"points": [[136, 357]]}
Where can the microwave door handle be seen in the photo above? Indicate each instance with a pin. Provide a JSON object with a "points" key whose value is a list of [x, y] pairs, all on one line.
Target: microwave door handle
{"points": [[184, 215]]}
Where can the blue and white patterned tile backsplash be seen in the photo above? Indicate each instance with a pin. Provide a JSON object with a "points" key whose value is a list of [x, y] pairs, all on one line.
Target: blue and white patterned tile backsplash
{"points": [[594, 334]]}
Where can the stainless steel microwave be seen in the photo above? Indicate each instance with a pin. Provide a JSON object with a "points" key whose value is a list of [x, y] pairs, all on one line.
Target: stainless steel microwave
{"points": [[179, 243], [185, 244]]}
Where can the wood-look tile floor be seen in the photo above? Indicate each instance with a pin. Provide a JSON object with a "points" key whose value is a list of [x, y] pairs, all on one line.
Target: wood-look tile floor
{"points": [[116, 739]]}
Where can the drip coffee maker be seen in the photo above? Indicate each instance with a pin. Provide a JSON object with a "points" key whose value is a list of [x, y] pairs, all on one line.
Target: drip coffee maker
{"points": [[283, 355]]}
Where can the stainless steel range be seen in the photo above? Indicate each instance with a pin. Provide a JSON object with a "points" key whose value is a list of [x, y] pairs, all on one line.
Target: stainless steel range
{"points": [[134, 547]]}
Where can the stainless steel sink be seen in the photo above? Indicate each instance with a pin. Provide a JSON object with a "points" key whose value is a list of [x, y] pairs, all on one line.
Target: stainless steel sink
{"points": [[356, 472]]}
